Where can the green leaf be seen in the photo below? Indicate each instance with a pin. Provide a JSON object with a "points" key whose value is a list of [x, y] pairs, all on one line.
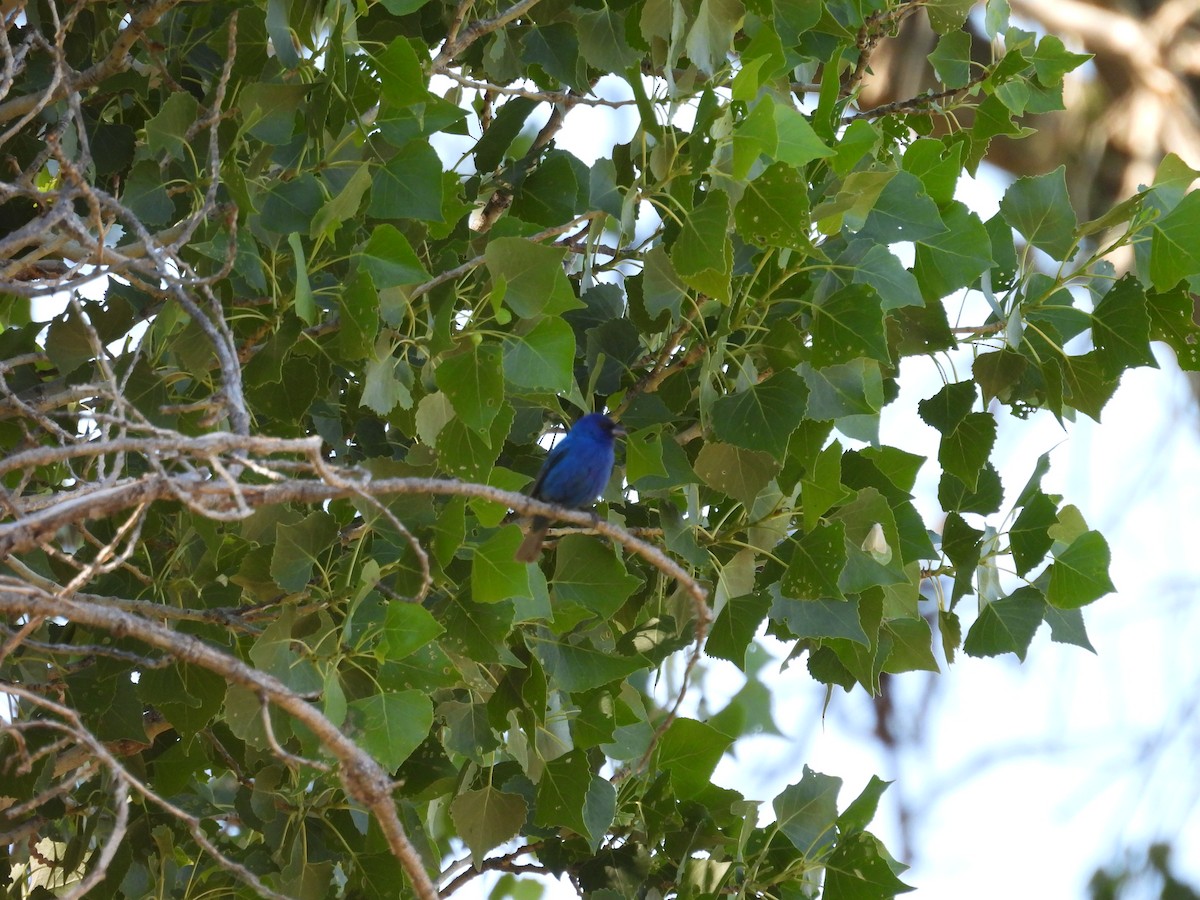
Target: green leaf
{"points": [[1007, 625], [797, 144], [389, 259], [1039, 208], [468, 730], [999, 373], [821, 487], [290, 205], [711, 34], [859, 141], [555, 48], [895, 284], [949, 406], [858, 815], [702, 254], [390, 726], [495, 575], [773, 211], [853, 202], [409, 186], [951, 631], [474, 383], [912, 646], [490, 149], [985, 498], [401, 79], [343, 206], [406, 628], [549, 195], [753, 137], [1174, 255], [589, 573], [762, 417], [1066, 627], [951, 59], [689, 752], [962, 545], [67, 342], [794, 17], [543, 358], [937, 165], [568, 796], [467, 454], [852, 389], [1171, 321], [1079, 574], [599, 810], [663, 290], [486, 818], [1029, 536], [1088, 385], [861, 869], [821, 619], [603, 191], [358, 315], [146, 195], [848, 325], [576, 667], [739, 473], [602, 40], [735, 627], [903, 212], [298, 548], [966, 449], [166, 131], [1121, 328], [817, 564], [955, 258], [384, 387], [1051, 60], [535, 283], [947, 15], [807, 813], [644, 456], [868, 518]]}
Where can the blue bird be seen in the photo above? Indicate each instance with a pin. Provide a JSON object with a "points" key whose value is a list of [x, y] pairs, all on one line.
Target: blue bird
{"points": [[574, 473]]}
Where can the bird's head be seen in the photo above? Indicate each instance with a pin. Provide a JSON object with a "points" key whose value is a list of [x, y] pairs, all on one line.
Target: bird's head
{"points": [[600, 426]]}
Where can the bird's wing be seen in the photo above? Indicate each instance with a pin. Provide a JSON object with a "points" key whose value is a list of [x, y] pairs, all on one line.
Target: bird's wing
{"points": [[553, 459]]}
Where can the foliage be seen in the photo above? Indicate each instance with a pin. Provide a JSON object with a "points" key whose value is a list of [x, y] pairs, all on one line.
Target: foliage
{"points": [[226, 473], [1146, 871]]}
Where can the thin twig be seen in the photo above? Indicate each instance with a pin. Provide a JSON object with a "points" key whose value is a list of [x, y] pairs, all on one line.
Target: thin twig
{"points": [[469, 265], [115, 61], [922, 103], [469, 35], [539, 96]]}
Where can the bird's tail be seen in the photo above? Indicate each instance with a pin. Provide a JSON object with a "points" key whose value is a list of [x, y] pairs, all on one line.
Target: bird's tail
{"points": [[531, 547]]}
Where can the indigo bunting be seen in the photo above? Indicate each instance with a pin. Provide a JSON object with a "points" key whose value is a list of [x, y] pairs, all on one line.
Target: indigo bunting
{"points": [[574, 473]]}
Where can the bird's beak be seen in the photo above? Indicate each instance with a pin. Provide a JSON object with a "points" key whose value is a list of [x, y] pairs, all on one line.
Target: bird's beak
{"points": [[619, 430]]}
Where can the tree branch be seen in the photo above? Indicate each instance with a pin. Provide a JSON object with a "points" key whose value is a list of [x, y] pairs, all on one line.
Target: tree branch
{"points": [[363, 778], [116, 61], [456, 44]]}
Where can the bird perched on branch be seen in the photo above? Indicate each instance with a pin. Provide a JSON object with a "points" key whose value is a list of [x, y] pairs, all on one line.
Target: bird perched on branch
{"points": [[574, 473]]}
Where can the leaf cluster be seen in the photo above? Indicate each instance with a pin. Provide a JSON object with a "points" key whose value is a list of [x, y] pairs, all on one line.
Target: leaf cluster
{"points": [[739, 277]]}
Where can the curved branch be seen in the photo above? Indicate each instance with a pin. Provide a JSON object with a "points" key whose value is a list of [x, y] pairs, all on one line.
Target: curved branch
{"points": [[364, 780], [26, 533], [114, 63]]}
